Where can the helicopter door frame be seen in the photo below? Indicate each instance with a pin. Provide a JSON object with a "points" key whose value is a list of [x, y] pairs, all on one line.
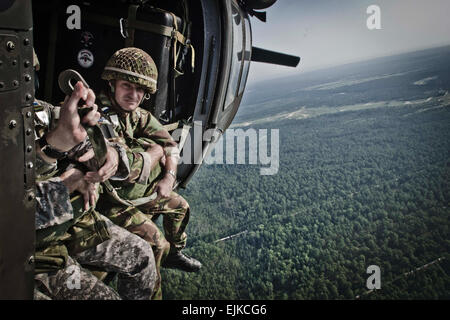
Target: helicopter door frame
{"points": [[17, 149], [247, 55], [213, 44], [214, 114], [238, 39], [227, 102]]}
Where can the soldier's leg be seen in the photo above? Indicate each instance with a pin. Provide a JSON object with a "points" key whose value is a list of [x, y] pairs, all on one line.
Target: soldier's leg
{"points": [[150, 232], [138, 223], [72, 283], [175, 211], [129, 256], [40, 296]]}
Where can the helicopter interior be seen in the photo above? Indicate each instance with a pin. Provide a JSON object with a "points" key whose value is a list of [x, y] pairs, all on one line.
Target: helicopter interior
{"points": [[202, 50]]}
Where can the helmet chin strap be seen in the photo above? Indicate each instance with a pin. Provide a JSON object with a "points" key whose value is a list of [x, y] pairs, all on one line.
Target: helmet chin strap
{"points": [[112, 94], [111, 86], [146, 96]]}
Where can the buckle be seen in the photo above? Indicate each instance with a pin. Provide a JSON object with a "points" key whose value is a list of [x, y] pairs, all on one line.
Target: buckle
{"points": [[122, 28]]}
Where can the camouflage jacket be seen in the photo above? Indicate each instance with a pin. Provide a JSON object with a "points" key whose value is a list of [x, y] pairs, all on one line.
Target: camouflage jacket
{"points": [[136, 131]]}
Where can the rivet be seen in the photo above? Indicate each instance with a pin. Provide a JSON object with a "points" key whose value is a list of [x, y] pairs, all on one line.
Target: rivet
{"points": [[10, 45], [28, 114], [30, 196], [12, 124], [31, 260], [28, 97], [26, 41], [28, 131], [27, 63], [30, 165], [29, 148], [15, 83], [27, 77]]}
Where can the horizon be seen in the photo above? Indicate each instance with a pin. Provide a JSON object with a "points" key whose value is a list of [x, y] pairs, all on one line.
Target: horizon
{"points": [[332, 66]]}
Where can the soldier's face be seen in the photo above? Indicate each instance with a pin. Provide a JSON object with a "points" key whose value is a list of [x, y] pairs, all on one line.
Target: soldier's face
{"points": [[128, 95]]}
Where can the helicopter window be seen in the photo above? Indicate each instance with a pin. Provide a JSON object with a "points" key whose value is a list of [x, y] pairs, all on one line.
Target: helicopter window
{"points": [[247, 53], [236, 61]]}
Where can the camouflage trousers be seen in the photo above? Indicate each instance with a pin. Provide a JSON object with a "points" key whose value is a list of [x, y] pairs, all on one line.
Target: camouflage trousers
{"points": [[125, 254], [72, 283], [139, 220]]}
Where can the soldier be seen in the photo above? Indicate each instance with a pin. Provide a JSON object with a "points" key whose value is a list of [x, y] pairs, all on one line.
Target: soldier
{"points": [[67, 232], [58, 274], [148, 191]]}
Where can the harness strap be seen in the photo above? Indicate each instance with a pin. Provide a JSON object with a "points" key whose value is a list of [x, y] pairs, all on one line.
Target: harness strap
{"points": [[132, 24], [129, 203], [139, 25], [146, 168], [184, 134]]}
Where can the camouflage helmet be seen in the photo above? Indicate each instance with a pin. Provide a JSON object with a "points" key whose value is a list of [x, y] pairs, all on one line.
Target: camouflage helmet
{"points": [[133, 65]]}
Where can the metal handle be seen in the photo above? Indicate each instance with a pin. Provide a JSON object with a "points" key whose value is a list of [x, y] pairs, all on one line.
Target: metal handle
{"points": [[65, 78]]}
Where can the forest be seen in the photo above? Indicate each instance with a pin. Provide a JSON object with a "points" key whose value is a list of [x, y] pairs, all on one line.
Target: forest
{"points": [[355, 187]]}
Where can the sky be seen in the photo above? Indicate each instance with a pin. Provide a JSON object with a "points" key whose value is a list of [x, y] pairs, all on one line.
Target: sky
{"points": [[333, 32]]}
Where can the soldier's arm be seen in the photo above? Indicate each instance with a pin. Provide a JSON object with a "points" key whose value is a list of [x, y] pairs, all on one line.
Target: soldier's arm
{"points": [[165, 185], [153, 141], [69, 132], [157, 144], [152, 129], [156, 152], [142, 163]]}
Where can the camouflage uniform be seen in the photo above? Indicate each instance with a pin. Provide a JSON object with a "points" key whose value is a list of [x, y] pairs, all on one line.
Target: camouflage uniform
{"points": [[64, 228], [62, 285], [54, 266], [137, 131]]}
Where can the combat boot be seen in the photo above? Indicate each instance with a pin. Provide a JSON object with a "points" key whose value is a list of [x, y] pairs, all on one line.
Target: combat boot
{"points": [[178, 260]]}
